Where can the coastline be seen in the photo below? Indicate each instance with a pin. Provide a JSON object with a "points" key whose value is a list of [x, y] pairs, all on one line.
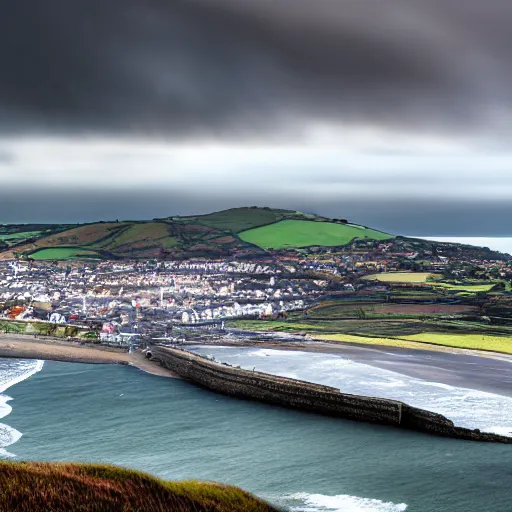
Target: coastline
{"points": [[293, 393], [28, 347], [459, 367]]}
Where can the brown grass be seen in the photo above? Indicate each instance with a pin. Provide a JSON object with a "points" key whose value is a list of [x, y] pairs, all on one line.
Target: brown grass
{"points": [[224, 240], [38, 487], [83, 235], [138, 235]]}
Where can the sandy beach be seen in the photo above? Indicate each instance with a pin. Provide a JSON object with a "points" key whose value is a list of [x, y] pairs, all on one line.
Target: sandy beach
{"points": [[484, 371], [28, 347]]}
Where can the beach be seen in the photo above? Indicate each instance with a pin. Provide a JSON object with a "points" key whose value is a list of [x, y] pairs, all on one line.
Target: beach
{"points": [[483, 371], [28, 347], [479, 370]]}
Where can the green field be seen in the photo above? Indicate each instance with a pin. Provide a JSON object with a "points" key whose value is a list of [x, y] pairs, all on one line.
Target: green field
{"points": [[64, 253], [303, 233], [22, 235], [13, 238], [402, 277]]}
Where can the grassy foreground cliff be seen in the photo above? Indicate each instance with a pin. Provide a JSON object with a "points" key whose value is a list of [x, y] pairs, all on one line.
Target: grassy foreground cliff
{"points": [[38, 487]]}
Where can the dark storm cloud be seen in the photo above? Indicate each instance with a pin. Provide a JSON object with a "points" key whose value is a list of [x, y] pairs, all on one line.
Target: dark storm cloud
{"points": [[238, 67], [427, 217]]}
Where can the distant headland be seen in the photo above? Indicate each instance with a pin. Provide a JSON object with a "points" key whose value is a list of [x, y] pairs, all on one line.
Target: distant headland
{"points": [[245, 233]]}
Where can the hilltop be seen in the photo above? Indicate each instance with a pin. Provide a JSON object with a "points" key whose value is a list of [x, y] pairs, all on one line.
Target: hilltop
{"points": [[242, 232], [38, 487]]}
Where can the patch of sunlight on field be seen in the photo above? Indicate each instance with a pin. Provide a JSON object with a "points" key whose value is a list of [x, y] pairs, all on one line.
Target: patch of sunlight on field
{"points": [[501, 344], [402, 277], [466, 287], [429, 279], [367, 340], [471, 341]]}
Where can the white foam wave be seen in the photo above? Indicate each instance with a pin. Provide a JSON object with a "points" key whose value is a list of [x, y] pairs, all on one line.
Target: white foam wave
{"points": [[465, 407], [18, 372], [12, 372], [341, 503], [8, 436]]}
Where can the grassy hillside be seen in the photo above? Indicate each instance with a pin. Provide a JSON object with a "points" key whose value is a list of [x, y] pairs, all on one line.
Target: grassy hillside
{"points": [[12, 238], [237, 232], [303, 233], [43, 487], [240, 219], [78, 237], [129, 240]]}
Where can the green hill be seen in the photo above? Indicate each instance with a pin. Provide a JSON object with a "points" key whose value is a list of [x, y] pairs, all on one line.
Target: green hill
{"points": [[238, 232], [44, 487]]}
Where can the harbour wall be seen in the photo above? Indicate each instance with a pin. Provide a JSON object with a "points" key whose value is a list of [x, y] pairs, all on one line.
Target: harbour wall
{"points": [[306, 396]]}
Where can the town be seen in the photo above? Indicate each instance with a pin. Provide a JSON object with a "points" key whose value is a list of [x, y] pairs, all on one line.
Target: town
{"points": [[127, 302]]}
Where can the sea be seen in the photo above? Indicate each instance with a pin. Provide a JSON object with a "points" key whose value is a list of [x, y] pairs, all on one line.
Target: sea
{"points": [[501, 244], [298, 461]]}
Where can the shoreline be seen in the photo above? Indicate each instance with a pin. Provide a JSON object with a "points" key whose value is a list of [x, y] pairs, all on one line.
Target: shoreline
{"points": [[327, 346], [293, 393], [459, 368], [28, 347]]}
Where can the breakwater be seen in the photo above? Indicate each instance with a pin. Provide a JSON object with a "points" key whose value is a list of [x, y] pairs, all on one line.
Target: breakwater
{"points": [[311, 397]]}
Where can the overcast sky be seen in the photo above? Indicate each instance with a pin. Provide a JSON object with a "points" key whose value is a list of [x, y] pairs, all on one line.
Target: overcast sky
{"points": [[391, 113]]}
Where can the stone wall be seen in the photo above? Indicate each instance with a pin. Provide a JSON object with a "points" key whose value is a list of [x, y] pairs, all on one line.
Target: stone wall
{"points": [[306, 396]]}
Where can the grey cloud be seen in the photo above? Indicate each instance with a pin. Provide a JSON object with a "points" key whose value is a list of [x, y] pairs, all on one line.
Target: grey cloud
{"points": [[235, 68], [6, 156]]}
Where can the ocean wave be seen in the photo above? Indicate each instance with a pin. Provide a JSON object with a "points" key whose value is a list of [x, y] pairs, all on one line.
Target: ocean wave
{"points": [[340, 503], [12, 372], [17, 370], [8, 436], [266, 352]]}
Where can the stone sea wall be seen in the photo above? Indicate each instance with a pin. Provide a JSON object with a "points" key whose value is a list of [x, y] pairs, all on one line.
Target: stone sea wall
{"points": [[306, 396]]}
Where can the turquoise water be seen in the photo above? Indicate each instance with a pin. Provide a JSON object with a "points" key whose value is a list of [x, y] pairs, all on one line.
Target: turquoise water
{"points": [[307, 462]]}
